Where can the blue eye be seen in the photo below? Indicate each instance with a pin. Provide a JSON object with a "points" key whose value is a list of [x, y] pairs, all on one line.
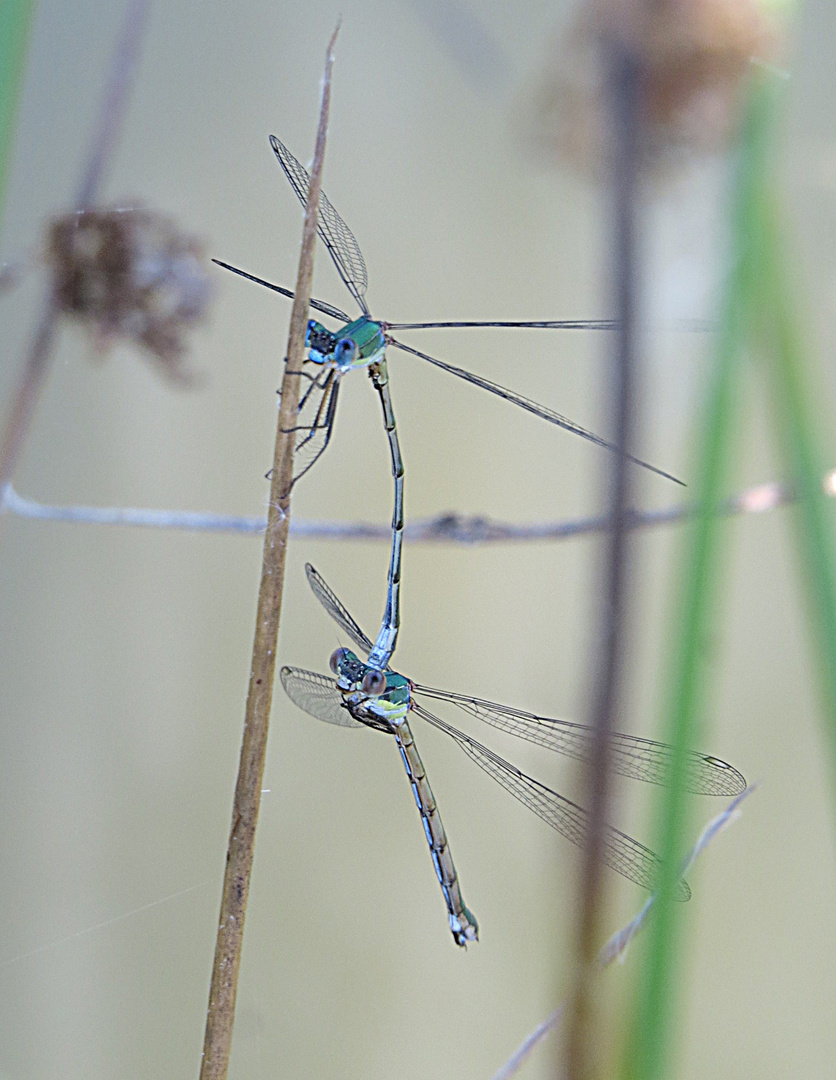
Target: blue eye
{"points": [[345, 351]]}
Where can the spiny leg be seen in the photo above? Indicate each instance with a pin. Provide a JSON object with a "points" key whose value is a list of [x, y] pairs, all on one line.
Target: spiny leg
{"points": [[315, 384], [308, 445], [313, 436], [316, 423]]}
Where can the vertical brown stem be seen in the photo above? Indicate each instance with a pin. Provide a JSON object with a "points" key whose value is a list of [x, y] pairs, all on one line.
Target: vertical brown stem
{"points": [[239, 858], [623, 109]]}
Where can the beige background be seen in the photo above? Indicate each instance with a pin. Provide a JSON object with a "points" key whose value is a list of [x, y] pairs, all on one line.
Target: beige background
{"points": [[124, 654]]}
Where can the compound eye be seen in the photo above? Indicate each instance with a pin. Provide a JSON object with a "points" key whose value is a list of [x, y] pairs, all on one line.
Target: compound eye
{"points": [[346, 351], [374, 683], [337, 657]]}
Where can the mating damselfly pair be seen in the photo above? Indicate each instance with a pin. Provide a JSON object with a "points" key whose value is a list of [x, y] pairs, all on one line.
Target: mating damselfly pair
{"points": [[362, 342], [369, 693]]}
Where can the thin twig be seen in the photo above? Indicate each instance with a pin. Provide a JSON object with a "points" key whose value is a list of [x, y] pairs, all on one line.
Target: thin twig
{"points": [[623, 81], [616, 947], [19, 416], [239, 858], [515, 1062], [114, 104], [445, 528]]}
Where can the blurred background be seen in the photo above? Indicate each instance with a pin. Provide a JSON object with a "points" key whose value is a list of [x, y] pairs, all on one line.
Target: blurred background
{"points": [[125, 652]]}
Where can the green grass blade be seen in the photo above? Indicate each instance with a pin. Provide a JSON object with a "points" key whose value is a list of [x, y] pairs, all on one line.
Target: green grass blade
{"points": [[655, 1005], [15, 19], [803, 461]]}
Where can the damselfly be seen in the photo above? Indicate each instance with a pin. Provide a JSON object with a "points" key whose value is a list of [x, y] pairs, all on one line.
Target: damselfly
{"points": [[362, 342], [360, 695]]}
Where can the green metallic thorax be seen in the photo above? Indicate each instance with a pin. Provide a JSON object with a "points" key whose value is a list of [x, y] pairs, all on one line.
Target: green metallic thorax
{"points": [[366, 334]]}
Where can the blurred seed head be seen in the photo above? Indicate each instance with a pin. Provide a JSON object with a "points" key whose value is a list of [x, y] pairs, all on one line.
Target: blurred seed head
{"points": [[695, 56], [131, 273]]}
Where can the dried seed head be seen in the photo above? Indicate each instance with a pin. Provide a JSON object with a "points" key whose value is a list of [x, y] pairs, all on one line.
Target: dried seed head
{"points": [[694, 54], [131, 273]]}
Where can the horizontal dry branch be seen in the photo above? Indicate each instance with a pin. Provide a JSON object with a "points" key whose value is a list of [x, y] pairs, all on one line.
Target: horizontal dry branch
{"points": [[444, 528]]}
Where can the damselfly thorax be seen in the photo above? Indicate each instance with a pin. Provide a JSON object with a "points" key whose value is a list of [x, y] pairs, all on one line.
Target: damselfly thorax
{"points": [[357, 344], [380, 699]]}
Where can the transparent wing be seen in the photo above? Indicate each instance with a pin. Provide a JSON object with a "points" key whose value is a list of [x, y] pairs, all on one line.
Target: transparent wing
{"points": [[621, 852], [317, 696], [336, 609], [542, 324], [642, 759], [537, 324], [530, 406], [317, 305], [314, 422], [335, 234]]}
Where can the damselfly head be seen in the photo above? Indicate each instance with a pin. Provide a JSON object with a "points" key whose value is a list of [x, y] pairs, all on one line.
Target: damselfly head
{"points": [[320, 341], [374, 683]]}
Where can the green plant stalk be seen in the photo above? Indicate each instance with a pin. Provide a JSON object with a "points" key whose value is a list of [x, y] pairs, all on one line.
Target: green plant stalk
{"points": [[655, 1009], [15, 21], [793, 417]]}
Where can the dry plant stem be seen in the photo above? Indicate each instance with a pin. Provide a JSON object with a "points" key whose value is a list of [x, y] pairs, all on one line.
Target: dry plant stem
{"points": [[19, 416], [582, 1040], [114, 103], [239, 859]]}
